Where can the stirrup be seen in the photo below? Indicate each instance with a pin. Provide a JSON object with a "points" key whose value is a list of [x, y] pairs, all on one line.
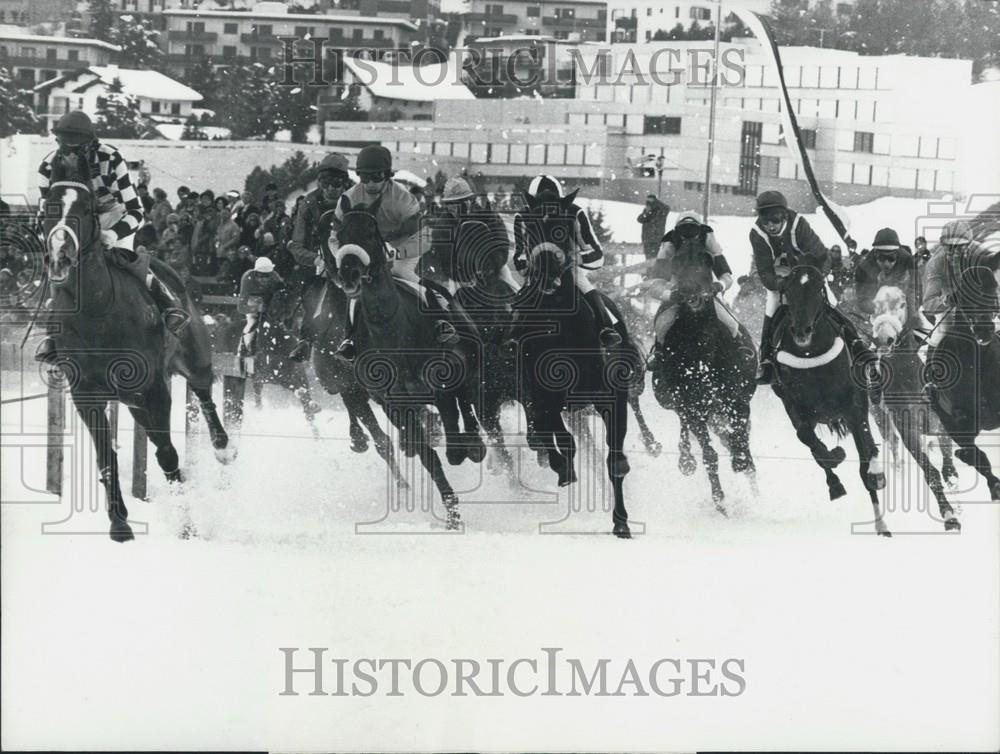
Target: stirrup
{"points": [[301, 351], [346, 351], [45, 351], [176, 320], [610, 337]]}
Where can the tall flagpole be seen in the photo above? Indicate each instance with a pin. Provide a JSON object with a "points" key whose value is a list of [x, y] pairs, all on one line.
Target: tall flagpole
{"points": [[711, 114]]}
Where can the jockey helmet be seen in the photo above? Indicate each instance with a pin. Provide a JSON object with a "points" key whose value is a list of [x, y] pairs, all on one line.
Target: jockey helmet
{"points": [[374, 158], [541, 183], [956, 233], [688, 218], [74, 129], [456, 190], [335, 163], [264, 265], [886, 240], [771, 199]]}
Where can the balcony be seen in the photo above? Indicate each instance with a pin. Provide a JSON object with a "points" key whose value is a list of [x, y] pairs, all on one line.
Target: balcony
{"points": [[256, 38], [564, 22], [495, 18], [183, 35], [349, 43]]}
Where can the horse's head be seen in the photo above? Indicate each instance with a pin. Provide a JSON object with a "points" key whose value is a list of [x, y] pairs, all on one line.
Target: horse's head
{"points": [[362, 255], [806, 299], [976, 283], [69, 223], [551, 233], [691, 268], [889, 318]]}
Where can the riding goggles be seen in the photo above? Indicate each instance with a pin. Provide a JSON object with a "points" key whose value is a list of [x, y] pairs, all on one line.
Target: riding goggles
{"points": [[373, 177], [333, 181]]}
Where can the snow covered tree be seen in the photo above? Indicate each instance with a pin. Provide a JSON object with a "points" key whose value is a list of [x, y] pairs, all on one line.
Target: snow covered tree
{"points": [[118, 115], [139, 42], [243, 99], [102, 19], [601, 229], [292, 108], [203, 79], [16, 115], [192, 130]]}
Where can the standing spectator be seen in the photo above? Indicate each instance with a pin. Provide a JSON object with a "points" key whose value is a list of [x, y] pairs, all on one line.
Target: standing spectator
{"points": [[267, 246], [171, 231], [227, 235], [147, 201], [160, 211], [182, 193], [231, 270], [250, 230], [243, 208], [203, 235], [179, 255], [276, 221], [654, 221]]}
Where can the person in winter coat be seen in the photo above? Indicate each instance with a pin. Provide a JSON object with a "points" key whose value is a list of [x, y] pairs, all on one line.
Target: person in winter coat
{"points": [[782, 239], [203, 235], [888, 263], [161, 211], [227, 235], [654, 222]]}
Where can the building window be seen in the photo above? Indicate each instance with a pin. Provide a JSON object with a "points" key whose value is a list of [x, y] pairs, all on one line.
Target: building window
{"points": [[175, 108], [229, 52], [265, 30], [568, 12], [304, 31], [661, 124], [864, 141], [700, 14], [494, 10], [534, 11], [230, 28], [50, 53], [649, 11], [198, 26], [28, 52], [336, 33], [73, 55], [357, 34], [378, 34], [808, 138], [493, 31], [155, 106]]}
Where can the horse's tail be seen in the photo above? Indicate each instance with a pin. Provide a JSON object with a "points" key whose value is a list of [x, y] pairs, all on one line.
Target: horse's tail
{"points": [[839, 428]]}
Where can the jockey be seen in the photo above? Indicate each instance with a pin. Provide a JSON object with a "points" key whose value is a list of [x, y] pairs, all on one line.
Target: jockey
{"points": [[588, 255], [307, 245], [397, 218], [459, 199], [888, 263], [120, 214], [690, 231], [257, 288], [939, 291], [782, 239]]}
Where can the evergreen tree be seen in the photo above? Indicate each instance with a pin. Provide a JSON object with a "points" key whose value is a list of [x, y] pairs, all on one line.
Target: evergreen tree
{"points": [[597, 221], [16, 115], [203, 79], [139, 43], [118, 115], [192, 130], [102, 19]]}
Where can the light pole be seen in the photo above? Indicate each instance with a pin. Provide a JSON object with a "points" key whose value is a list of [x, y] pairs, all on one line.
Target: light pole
{"points": [[659, 177], [711, 114]]}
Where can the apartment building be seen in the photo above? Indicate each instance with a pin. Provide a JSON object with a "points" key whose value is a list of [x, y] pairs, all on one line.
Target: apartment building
{"points": [[640, 20], [228, 36], [33, 58], [579, 20]]}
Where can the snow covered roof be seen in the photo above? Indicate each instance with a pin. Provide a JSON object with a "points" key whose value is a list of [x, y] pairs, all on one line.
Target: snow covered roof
{"points": [[136, 82], [173, 131], [17, 34], [303, 18], [402, 82]]}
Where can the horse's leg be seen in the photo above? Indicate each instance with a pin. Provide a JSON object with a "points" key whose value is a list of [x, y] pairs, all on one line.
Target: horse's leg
{"points": [[414, 441], [971, 455], [652, 446], [909, 432], [258, 387], [492, 406], [154, 417], [871, 466], [358, 406], [354, 401], [685, 461], [565, 446], [709, 457], [94, 416], [474, 447], [616, 427], [947, 446], [220, 440], [447, 407]]}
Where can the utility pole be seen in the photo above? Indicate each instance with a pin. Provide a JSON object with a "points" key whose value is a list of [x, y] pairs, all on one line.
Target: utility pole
{"points": [[659, 177], [711, 115]]}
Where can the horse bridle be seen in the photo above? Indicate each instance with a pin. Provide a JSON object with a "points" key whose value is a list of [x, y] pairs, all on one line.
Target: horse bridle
{"points": [[62, 226]]}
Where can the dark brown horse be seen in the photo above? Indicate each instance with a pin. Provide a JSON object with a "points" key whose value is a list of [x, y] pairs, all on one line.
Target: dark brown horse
{"points": [[112, 344], [400, 361]]}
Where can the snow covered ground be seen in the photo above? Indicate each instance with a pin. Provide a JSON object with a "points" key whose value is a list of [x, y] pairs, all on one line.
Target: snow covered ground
{"points": [[848, 640]]}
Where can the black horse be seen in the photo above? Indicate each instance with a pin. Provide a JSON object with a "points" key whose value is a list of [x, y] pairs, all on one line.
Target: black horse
{"points": [[561, 361], [903, 401], [817, 385], [112, 344], [400, 361], [965, 366], [704, 374]]}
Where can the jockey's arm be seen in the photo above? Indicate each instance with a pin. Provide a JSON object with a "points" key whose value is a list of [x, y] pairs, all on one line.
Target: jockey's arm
{"points": [[660, 267], [297, 246], [935, 298], [591, 251], [720, 265], [125, 193], [812, 247], [407, 228], [764, 261]]}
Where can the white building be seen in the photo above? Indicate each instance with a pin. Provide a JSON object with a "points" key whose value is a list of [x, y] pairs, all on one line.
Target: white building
{"points": [[640, 20], [161, 98], [580, 20], [33, 58]]}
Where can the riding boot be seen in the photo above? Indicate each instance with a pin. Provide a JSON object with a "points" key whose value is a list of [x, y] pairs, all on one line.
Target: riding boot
{"points": [[609, 336], [175, 318], [765, 368], [346, 351]]}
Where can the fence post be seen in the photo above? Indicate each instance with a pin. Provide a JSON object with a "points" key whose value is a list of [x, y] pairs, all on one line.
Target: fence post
{"points": [[56, 425], [139, 457]]}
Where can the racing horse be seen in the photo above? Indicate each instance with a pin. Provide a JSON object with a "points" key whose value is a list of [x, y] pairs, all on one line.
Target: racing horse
{"points": [[400, 361], [112, 344], [903, 399], [816, 382], [561, 361], [704, 374], [965, 365]]}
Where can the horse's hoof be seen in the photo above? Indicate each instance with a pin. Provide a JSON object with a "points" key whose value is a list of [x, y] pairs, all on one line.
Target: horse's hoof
{"points": [[622, 531], [121, 531], [174, 477], [884, 533], [837, 490], [226, 455], [654, 448], [567, 476], [741, 463], [188, 531], [687, 465], [995, 491], [952, 524], [720, 508], [475, 450], [359, 444], [876, 481]]}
